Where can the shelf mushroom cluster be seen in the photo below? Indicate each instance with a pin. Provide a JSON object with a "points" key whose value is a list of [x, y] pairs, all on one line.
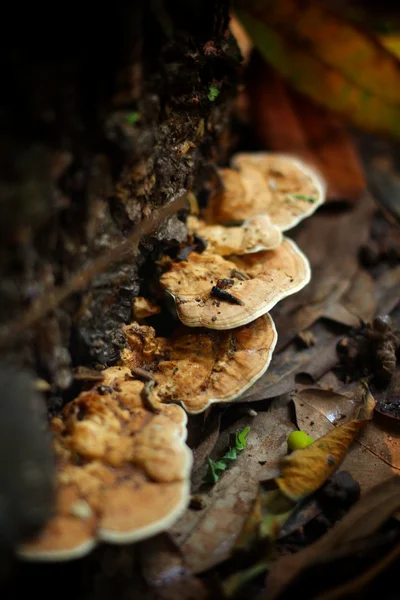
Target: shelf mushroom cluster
{"points": [[123, 465]]}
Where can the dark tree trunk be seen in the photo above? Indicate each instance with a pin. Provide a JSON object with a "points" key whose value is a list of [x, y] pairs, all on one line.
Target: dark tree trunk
{"points": [[105, 116], [107, 113]]}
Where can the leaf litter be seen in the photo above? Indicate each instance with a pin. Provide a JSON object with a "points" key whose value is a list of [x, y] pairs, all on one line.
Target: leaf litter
{"points": [[240, 509], [208, 537]]}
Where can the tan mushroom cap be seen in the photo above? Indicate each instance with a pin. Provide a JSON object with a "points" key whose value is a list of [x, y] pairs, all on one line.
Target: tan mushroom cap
{"points": [[254, 235], [274, 275], [243, 195], [203, 367], [123, 470], [143, 308], [279, 185]]}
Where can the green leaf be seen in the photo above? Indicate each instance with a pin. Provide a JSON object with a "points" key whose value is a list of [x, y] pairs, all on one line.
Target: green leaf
{"points": [[220, 465], [133, 117], [241, 441], [213, 93], [216, 467], [211, 476], [231, 454]]}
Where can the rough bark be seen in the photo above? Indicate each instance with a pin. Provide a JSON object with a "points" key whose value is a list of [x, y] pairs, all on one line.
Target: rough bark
{"points": [[106, 116]]}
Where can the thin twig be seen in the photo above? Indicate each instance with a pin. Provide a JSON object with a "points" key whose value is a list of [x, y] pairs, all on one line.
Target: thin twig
{"points": [[54, 296]]}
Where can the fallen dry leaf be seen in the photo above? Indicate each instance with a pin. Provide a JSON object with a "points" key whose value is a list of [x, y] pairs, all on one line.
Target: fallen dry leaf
{"points": [[313, 405], [328, 59], [207, 537], [305, 470], [387, 291], [373, 509], [287, 121], [358, 304], [164, 571], [205, 436], [376, 452], [292, 361], [331, 241]]}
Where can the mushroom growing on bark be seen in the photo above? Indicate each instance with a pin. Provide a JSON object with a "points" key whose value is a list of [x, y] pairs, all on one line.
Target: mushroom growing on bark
{"points": [[254, 235], [211, 291], [200, 367], [261, 183], [123, 469]]}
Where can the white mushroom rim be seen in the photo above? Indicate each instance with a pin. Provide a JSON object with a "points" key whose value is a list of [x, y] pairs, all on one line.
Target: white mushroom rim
{"points": [[251, 381], [264, 308], [117, 537]]}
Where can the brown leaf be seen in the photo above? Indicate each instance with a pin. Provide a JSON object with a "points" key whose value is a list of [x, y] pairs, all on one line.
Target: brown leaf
{"points": [[313, 361], [376, 452], [331, 243], [305, 470], [314, 407], [287, 121], [203, 435], [387, 290], [357, 304], [164, 571], [363, 519], [207, 537]]}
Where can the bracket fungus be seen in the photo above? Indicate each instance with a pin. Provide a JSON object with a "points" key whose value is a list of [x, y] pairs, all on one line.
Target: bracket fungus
{"points": [[123, 470], [200, 367], [213, 292], [278, 185], [254, 235]]}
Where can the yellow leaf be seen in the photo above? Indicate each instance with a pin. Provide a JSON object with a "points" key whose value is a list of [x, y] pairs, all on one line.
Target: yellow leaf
{"points": [[392, 43], [328, 59], [305, 470]]}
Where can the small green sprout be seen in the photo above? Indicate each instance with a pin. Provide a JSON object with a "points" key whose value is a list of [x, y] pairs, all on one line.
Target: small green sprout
{"points": [[133, 118], [298, 440], [240, 440], [213, 93], [231, 454], [309, 199], [215, 468]]}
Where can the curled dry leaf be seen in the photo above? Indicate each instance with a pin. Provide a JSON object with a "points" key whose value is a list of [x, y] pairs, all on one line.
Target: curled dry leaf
{"points": [[305, 470], [373, 509], [376, 453], [122, 470], [254, 235], [278, 185], [210, 291], [199, 368]]}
